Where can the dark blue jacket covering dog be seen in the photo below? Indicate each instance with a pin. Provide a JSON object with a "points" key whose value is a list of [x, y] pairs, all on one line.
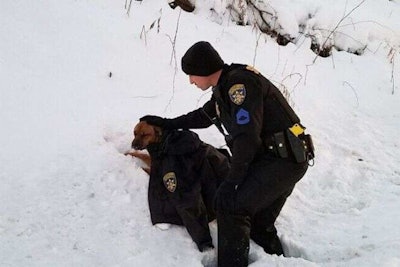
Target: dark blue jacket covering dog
{"points": [[184, 176]]}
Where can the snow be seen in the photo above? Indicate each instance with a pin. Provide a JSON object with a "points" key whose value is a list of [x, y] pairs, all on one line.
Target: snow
{"points": [[71, 198]]}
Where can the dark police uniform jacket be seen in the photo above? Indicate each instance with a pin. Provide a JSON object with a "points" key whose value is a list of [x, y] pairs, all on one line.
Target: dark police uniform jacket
{"points": [[185, 173], [251, 109]]}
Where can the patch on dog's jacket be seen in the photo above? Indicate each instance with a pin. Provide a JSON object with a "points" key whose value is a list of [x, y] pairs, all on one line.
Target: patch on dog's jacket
{"points": [[170, 181], [237, 94]]}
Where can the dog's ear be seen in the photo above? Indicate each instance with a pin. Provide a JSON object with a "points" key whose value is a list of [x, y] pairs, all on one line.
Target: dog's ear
{"points": [[158, 132]]}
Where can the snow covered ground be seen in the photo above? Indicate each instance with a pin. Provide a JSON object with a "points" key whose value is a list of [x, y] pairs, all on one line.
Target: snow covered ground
{"points": [[75, 77]]}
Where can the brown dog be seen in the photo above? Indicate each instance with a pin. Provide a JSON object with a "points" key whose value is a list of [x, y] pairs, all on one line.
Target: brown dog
{"points": [[185, 174], [144, 135]]}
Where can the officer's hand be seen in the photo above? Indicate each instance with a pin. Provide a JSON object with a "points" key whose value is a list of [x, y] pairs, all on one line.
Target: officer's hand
{"points": [[156, 121], [226, 197]]}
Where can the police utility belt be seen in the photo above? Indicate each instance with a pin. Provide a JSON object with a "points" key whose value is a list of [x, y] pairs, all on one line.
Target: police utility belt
{"points": [[291, 142]]}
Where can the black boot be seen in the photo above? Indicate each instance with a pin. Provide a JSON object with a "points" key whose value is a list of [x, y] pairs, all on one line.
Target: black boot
{"points": [[268, 239], [233, 240], [263, 230]]}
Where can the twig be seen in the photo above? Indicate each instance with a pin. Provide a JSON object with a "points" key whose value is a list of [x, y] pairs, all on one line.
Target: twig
{"points": [[338, 24], [290, 76], [260, 13], [173, 42], [203, 95], [284, 89], [305, 78], [392, 54], [367, 21], [129, 8], [284, 67], [144, 33], [377, 49], [173, 56], [354, 91], [392, 79], [255, 49], [279, 60]]}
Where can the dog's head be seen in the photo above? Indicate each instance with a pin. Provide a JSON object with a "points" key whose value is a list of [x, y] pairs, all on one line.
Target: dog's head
{"points": [[145, 134]]}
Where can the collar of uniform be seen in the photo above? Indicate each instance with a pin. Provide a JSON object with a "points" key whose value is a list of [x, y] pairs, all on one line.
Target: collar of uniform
{"points": [[222, 77], [225, 73], [226, 68]]}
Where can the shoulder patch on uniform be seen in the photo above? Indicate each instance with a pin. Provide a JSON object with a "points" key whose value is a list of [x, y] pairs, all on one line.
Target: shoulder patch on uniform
{"points": [[237, 93], [251, 68], [170, 181], [242, 116]]}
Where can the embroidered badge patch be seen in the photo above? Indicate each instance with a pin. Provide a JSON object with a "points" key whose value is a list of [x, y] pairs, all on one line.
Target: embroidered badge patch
{"points": [[170, 181], [237, 94], [242, 117]]}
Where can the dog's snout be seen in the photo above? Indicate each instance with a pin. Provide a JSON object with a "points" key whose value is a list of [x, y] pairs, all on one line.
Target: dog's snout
{"points": [[136, 145]]}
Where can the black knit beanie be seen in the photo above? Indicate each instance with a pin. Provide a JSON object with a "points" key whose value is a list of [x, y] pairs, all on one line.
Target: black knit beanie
{"points": [[201, 59]]}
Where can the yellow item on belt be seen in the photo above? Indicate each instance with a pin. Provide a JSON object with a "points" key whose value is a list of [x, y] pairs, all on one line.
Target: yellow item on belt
{"points": [[297, 129]]}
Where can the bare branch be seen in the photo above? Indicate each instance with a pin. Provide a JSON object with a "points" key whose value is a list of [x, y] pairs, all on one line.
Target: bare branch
{"points": [[392, 79], [290, 76], [173, 57], [391, 56], [354, 91], [143, 33], [129, 8], [255, 49], [338, 24]]}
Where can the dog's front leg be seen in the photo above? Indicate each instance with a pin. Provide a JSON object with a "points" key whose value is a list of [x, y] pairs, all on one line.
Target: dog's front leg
{"points": [[143, 157]]}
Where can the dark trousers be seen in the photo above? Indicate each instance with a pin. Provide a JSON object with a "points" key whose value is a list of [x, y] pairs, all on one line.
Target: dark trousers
{"points": [[194, 217], [258, 203]]}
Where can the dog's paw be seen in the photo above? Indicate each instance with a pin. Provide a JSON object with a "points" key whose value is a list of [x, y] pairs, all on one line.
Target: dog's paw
{"points": [[163, 226], [132, 153], [128, 153], [143, 160]]}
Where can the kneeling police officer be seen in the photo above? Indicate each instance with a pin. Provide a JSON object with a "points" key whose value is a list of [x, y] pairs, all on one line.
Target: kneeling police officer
{"points": [[270, 151]]}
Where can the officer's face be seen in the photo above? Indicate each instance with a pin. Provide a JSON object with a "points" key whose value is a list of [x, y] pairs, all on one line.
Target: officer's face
{"points": [[202, 82]]}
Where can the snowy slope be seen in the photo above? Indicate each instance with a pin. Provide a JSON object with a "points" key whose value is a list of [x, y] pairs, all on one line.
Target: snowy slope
{"points": [[69, 197]]}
